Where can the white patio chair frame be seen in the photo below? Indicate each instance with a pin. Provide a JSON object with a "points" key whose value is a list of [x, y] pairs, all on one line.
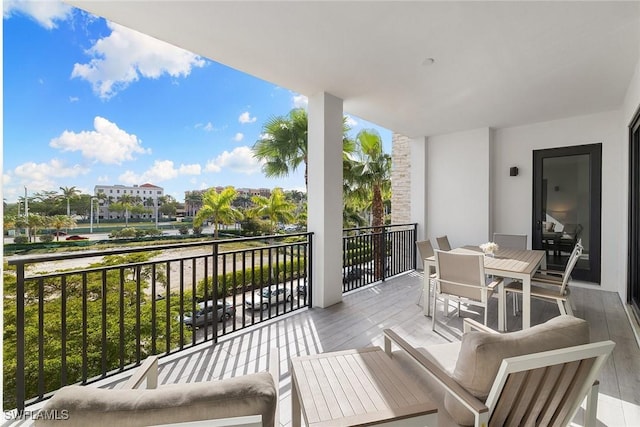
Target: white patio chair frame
{"points": [[510, 385]]}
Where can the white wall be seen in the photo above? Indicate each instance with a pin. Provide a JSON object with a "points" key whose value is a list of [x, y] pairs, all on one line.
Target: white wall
{"points": [[458, 186], [513, 195]]}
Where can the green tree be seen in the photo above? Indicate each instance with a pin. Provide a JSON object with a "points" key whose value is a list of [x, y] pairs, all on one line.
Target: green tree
{"points": [[217, 207], [283, 145], [369, 172], [167, 206], [193, 202], [69, 193], [59, 222], [124, 204], [276, 208]]}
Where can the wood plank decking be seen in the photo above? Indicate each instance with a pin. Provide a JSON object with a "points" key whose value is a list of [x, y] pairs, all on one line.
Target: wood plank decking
{"points": [[359, 320]]}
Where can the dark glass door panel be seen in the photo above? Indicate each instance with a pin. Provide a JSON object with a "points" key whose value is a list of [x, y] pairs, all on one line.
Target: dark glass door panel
{"points": [[633, 273], [567, 207]]}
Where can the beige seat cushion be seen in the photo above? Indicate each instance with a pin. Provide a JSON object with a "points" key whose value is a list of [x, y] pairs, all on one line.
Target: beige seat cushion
{"points": [[481, 355], [444, 356], [253, 394]]}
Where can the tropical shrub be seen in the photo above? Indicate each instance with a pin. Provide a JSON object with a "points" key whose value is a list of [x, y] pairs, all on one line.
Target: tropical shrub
{"points": [[46, 238], [21, 239]]}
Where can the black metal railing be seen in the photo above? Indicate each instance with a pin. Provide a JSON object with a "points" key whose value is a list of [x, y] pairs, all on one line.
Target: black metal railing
{"points": [[114, 308], [372, 254]]}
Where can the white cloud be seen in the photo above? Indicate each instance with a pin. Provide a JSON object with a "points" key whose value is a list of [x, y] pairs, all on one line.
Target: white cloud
{"points": [[209, 127], [238, 137], [74, 99], [103, 179], [107, 144], [126, 55], [162, 170], [46, 13], [53, 169], [300, 101], [239, 160], [351, 122], [194, 169], [246, 118], [38, 177]]}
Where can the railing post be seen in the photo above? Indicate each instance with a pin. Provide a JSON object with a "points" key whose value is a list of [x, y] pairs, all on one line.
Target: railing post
{"points": [[310, 270], [415, 242], [383, 245], [20, 387], [214, 291]]}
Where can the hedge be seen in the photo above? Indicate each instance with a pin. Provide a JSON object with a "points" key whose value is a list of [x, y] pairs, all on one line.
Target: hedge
{"points": [[239, 280]]}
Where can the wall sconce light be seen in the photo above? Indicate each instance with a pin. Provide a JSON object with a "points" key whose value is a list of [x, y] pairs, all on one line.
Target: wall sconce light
{"points": [[513, 171]]}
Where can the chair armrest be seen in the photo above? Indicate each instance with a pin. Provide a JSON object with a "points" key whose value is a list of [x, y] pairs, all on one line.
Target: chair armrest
{"points": [[460, 393], [550, 273], [147, 371], [548, 278], [495, 283], [469, 325], [246, 421]]}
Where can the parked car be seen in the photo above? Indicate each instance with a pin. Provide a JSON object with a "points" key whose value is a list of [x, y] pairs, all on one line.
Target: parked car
{"points": [[59, 233], [352, 274], [76, 237], [302, 290], [204, 314], [267, 297]]}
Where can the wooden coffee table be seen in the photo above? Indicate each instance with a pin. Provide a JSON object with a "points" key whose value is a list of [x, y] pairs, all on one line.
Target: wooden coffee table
{"points": [[356, 387]]}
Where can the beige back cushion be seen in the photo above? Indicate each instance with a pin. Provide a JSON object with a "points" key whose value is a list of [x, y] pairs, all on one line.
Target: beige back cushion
{"points": [[252, 394], [481, 355]]}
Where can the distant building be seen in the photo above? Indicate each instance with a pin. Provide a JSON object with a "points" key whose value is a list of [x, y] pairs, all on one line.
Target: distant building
{"points": [[145, 194], [193, 198]]}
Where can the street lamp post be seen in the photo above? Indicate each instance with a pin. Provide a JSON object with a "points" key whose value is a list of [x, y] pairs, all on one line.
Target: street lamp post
{"points": [[91, 221], [26, 211]]}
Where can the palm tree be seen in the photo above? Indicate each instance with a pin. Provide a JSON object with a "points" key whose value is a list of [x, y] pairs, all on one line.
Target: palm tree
{"points": [[369, 171], [124, 204], [59, 222], [283, 145], [276, 208], [217, 207], [69, 193], [193, 200]]}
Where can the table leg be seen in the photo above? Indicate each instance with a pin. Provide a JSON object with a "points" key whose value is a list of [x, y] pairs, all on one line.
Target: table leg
{"points": [[296, 419], [526, 303]]}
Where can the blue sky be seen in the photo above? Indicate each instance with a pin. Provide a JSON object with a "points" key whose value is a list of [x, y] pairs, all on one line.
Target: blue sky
{"points": [[89, 102]]}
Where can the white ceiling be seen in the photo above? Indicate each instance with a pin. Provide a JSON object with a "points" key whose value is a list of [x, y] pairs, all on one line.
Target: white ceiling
{"points": [[497, 64]]}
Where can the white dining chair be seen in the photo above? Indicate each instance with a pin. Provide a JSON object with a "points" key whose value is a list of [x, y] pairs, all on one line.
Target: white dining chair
{"points": [[549, 286], [512, 241], [443, 243], [461, 277], [425, 250]]}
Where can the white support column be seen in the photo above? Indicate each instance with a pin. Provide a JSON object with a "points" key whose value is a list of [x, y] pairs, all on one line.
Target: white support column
{"points": [[325, 197]]}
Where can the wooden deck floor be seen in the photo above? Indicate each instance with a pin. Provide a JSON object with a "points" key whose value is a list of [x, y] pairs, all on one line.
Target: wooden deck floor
{"points": [[359, 320]]}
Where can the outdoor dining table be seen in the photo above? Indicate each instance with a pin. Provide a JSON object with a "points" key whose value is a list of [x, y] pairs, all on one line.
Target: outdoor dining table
{"points": [[508, 263]]}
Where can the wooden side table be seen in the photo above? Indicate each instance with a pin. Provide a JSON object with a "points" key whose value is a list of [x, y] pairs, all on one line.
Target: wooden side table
{"points": [[356, 387]]}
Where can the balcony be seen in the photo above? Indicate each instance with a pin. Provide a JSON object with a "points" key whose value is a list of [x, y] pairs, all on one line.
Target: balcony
{"points": [[359, 321], [87, 316]]}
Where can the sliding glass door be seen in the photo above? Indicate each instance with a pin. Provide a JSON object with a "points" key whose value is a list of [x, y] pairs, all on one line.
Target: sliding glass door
{"points": [[566, 207]]}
